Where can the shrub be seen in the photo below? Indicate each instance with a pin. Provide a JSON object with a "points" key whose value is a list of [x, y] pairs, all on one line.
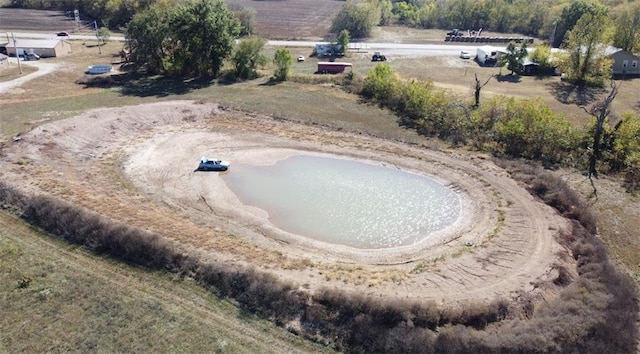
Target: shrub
{"points": [[381, 85], [527, 129], [552, 190]]}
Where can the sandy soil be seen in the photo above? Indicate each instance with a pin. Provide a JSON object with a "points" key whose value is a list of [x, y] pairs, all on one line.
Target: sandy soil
{"points": [[136, 165]]}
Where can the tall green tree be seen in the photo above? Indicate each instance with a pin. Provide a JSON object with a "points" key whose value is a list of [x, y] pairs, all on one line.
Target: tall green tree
{"points": [[381, 85], [282, 59], [514, 57], [103, 34], [386, 12], [358, 17], [202, 36], [248, 56], [191, 38], [627, 28], [541, 55], [343, 41], [585, 61], [570, 16], [146, 36], [626, 149], [103, 10]]}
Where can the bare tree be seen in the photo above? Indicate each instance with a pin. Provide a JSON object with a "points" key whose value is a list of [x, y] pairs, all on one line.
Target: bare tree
{"points": [[600, 110], [477, 87]]}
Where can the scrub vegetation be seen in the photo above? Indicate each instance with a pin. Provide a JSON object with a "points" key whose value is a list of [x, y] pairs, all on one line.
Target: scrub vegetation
{"points": [[505, 126]]}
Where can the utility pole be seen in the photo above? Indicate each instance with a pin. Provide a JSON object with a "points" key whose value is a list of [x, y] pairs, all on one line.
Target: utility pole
{"points": [[95, 25], [76, 17], [15, 47]]}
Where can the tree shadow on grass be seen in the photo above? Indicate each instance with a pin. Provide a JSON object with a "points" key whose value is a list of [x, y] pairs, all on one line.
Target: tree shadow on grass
{"points": [[508, 78], [139, 85], [271, 82], [571, 94]]}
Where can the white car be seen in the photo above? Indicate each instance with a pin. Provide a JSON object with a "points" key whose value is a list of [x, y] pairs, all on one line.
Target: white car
{"points": [[465, 55], [301, 58], [212, 164]]}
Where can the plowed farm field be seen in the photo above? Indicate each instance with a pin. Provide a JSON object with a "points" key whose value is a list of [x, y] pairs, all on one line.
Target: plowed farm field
{"points": [[288, 19], [35, 20], [291, 19]]}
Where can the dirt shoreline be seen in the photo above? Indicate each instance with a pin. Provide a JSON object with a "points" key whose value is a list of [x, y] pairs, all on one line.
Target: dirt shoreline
{"points": [[135, 165]]}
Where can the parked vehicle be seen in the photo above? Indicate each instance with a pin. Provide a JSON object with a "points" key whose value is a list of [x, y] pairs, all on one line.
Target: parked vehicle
{"points": [[378, 57], [455, 32], [301, 58], [62, 34], [465, 55], [32, 56], [212, 164]]}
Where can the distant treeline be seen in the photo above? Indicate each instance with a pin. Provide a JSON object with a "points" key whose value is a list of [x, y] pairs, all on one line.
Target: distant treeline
{"points": [[110, 13], [596, 312]]}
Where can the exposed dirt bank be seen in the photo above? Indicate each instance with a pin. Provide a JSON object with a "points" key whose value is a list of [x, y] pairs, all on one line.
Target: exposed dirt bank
{"points": [[136, 165]]}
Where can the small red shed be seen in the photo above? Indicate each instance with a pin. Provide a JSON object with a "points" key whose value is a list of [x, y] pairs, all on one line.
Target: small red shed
{"points": [[327, 67]]}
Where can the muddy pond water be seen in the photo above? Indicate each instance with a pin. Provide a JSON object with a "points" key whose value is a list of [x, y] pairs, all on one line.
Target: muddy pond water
{"points": [[347, 202]]}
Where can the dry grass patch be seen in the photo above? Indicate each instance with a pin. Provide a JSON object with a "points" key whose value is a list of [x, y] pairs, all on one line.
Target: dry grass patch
{"points": [[12, 72], [59, 297]]}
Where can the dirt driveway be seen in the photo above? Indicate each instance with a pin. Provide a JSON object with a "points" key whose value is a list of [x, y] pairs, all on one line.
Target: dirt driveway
{"points": [[43, 69], [135, 164]]}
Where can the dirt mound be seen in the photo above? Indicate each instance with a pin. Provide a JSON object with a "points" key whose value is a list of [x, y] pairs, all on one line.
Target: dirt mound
{"points": [[136, 165]]}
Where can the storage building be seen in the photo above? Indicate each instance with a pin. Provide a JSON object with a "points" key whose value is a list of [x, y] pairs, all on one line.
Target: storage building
{"points": [[43, 47], [327, 67]]}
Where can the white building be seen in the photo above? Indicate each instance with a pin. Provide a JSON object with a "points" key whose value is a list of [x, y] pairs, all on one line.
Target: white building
{"points": [[43, 47]]}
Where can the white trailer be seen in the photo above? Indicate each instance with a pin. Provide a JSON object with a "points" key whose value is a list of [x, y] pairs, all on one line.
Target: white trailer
{"points": [[487, 54]]}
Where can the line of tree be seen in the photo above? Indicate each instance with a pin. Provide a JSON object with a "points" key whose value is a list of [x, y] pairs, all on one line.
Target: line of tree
{"points": [[110, 13], [513, 127]]}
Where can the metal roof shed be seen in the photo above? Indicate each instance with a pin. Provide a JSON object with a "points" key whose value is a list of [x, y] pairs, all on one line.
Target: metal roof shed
{"points": [[43, 47]]}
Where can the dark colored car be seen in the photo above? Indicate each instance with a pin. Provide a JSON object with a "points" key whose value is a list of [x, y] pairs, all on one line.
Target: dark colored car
{"points": [[62, 34]]}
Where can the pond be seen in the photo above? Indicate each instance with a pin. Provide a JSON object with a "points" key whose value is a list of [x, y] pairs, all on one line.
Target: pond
{"points": [[346, 202]]}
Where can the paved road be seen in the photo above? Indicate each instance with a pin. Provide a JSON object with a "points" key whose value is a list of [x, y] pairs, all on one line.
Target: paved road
{"points": [[403, 49], [30, 35]]}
